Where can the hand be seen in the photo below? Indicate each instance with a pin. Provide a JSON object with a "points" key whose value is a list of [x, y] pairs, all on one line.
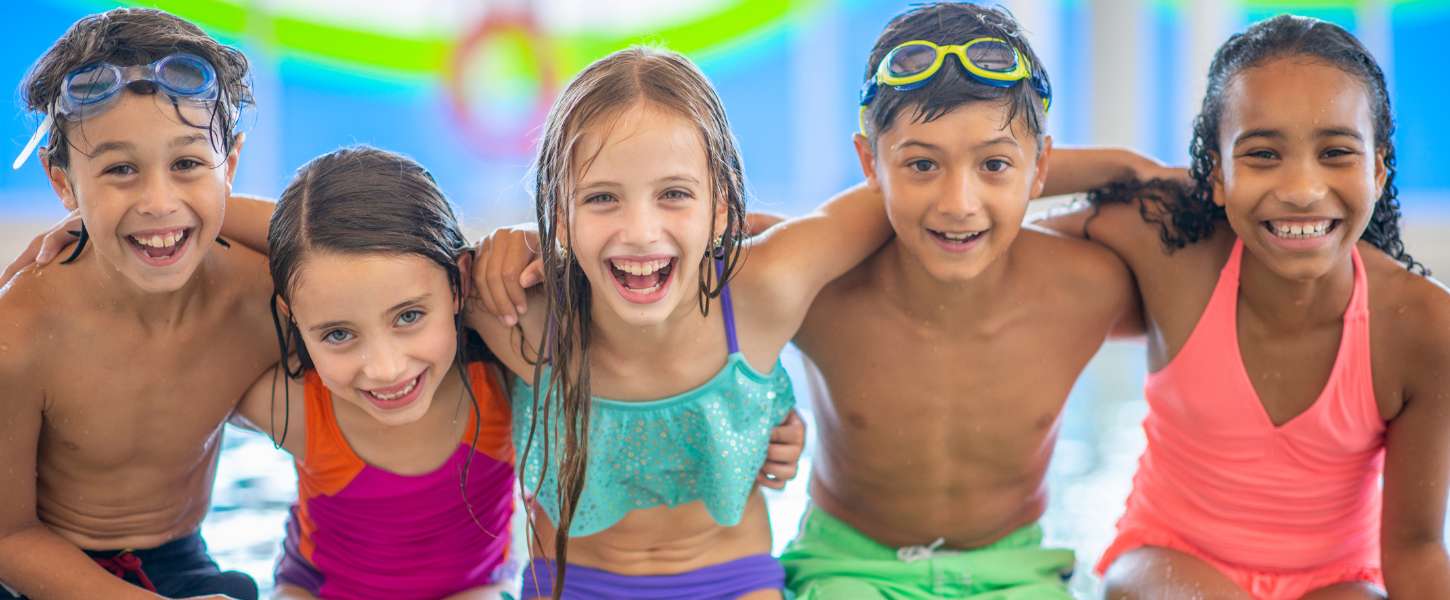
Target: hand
{"points": [[1151, 169], [209, 597], [46, 246], [505, 263], [782, 458]]}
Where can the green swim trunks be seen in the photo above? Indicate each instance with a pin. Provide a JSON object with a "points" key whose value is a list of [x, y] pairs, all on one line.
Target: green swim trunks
{"points": [[829, 560]]}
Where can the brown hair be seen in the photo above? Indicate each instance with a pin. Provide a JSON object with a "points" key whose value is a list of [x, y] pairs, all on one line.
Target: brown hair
{"points": [[609, 86], [135, 36], [361, 200]]}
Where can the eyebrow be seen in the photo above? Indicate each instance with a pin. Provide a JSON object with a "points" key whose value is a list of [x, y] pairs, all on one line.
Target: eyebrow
{"points": [[904, 143], [178, 142], [679, 178], [1005, 139], [1274, 134], [394, 308]]}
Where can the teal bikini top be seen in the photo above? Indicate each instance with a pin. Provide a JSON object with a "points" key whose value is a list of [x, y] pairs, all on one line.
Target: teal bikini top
{"points": [[705, 444]]}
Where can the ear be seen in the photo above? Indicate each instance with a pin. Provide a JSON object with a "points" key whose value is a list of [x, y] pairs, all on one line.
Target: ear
{"points": [[722, 217], [283, 310], [561, 227], [60, 183], [465, 279], [1040, 180], [1215, 178], [1381, 173], [867, 156], [232, 160]]}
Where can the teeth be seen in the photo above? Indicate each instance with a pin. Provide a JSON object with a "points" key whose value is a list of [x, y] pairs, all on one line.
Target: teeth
{"points": [[1300, 229], [647, 267], [398, 394], [959, 237], [158, 240]]}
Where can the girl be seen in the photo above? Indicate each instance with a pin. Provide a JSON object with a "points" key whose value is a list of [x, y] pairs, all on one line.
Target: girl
{"points": [[638, 359], [397, 423], [1297, 350]]}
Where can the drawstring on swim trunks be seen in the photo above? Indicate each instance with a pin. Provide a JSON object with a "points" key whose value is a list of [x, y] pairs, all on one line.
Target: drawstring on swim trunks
{"points": [[126, 562], [915, 553]]}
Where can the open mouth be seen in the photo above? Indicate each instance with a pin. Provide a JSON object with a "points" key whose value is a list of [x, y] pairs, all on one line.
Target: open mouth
{"points": [[1300, 230], [160, 247], [396, 396], [642, 280], [957, 241]]}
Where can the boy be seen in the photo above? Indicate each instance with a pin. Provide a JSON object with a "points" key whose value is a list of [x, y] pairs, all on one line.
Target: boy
{"points": [[941, 399], [119, 368]]}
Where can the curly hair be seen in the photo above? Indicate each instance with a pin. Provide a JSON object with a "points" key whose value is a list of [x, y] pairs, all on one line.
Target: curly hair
{"points": [[1187, 214]]}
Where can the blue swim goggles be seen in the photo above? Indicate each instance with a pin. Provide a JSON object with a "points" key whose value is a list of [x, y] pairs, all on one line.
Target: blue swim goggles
{"points": [[93, 89], [988, 60]]}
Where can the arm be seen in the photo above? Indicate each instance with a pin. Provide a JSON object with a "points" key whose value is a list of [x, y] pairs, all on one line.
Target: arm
{"points": [[274, 406], [247, 220], [788, 264], [33, 559], [1077, 170], [1417, 462]]}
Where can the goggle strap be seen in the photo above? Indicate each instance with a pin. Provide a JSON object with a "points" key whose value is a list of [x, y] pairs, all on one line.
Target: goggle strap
{"points": [[34, 141]]}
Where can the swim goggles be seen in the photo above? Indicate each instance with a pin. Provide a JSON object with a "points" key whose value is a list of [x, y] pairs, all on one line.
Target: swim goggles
{"points": [[93, 89], [988, 60]]}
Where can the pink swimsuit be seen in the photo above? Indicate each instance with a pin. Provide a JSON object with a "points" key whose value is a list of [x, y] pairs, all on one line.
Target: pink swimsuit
{"points": [[1280, 510]]}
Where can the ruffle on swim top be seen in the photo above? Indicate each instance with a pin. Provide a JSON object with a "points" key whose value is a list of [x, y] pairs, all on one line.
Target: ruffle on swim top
{"points": [[705, 444]]}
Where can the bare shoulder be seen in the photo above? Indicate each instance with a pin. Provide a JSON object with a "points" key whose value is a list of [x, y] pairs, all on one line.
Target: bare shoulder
{"points": [[34, 307], [1412, 309], [1088, 270]]}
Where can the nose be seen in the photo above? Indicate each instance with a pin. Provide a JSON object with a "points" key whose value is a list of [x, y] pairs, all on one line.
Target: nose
{"points": [[158, 197], [642, 224], [384, 362], [960, 200], [1302, 186]]}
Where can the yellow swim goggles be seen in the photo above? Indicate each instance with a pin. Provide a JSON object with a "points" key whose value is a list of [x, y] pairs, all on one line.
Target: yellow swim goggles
{"points": [[988, 60]]}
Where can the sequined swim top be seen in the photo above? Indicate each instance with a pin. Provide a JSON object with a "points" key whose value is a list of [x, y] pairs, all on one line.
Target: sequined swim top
{"points": [[705, 444]]}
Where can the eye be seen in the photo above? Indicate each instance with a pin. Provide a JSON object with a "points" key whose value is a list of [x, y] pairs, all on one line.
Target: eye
{"points": [[1338, 152], [598, 198], [1263, 154], [996, 165], [921, 165], [336, 336], [120, 170], [409, 317], [186, 164], [677, 194]]}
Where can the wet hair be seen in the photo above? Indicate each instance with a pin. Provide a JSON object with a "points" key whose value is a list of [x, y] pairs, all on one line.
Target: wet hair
{"points": [[361, 201], [600, 93], [126, 37], [947, 23], [135, 36], [1186, 215]]}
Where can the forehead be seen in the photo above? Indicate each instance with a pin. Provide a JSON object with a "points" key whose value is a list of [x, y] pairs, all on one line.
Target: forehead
{"points": [[1296, 93], [330, 285], [142, 120], [965, 125], [643, 142]]}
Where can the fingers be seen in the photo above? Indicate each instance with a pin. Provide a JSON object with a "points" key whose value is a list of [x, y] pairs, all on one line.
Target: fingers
{"points": [[776, 475], [515, 261], [533, 274], [482, 287], [792, 430], [54, 242], [498, 298], [27, 257]]}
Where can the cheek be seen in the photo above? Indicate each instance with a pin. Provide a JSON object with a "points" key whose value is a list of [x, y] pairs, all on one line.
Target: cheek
{"points": [[337, 370]]}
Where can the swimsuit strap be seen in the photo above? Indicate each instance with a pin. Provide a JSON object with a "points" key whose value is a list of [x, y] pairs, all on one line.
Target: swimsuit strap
{"points": [[728, 308]]}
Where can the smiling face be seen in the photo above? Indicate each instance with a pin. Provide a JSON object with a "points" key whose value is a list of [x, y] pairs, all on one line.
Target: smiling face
{"points": [[957, 187], [1299, 174], [151, 189], [379, 329], [642, 213]]}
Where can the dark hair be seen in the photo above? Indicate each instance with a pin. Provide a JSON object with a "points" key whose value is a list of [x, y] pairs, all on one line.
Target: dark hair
{"points": [[605, 89], [951, 23], [135, 36], [358, 201], [1187, 215]]}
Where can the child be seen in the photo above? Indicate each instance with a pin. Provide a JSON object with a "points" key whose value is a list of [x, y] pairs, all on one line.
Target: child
{"points": [[940, 402], [1294, 356], [371, 269], [651, 299], [122, 430]]}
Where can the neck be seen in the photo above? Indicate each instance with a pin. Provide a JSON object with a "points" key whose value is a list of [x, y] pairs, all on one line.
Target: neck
{"points": [[613, 338], [154, 311], [1293, 304], [943, 305]]}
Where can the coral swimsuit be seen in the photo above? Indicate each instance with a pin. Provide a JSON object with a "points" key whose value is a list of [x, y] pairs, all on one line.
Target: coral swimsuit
{"points": [[1281, 510]]}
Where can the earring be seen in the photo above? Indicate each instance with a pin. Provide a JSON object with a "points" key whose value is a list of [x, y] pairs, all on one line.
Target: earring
{"points": [[719, 251], [564, 254]]}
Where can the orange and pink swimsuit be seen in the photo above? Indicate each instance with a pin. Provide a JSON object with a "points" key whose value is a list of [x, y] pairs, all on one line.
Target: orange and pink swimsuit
{"points": [[1281, 510], [359, 531]]}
